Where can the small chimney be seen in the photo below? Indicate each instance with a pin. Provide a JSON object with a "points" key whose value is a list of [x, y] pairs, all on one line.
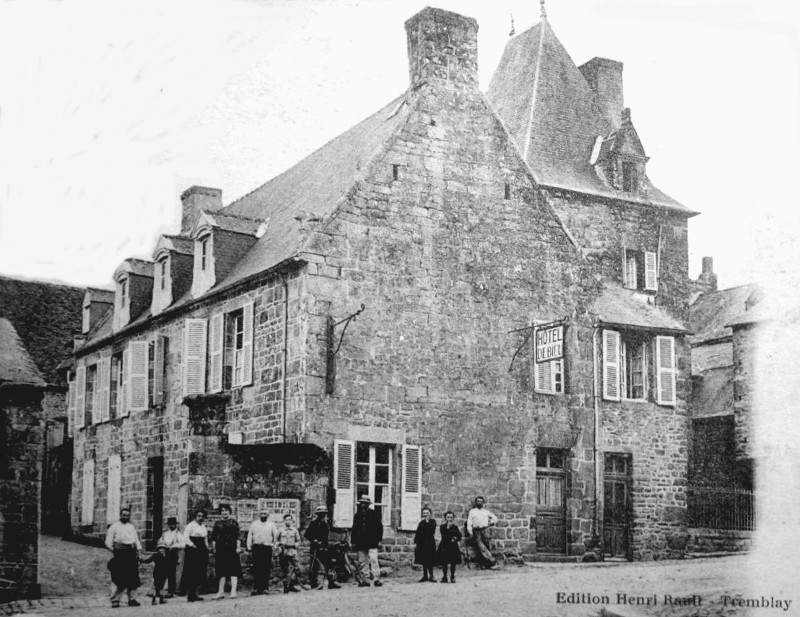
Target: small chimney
{"points": [[707, 277], [197, 198], [442, 47], [604, 77]]}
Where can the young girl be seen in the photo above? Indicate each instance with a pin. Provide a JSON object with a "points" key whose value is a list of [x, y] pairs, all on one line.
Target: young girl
{"points": [[160, 563], [449, 551], [425, 550]]}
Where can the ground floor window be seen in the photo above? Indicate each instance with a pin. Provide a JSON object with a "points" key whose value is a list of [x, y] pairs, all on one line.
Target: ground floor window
{"points": [[374, 476]]}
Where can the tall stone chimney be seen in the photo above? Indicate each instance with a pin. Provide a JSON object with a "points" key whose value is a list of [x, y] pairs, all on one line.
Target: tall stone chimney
{"points": [[197, 198], [707, 277], [442, 47], [604, 76]]}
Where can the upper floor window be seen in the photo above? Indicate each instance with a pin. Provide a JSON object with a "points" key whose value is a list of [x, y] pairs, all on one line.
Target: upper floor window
{"points": [[234, 349], [548, 357], [123, 292], [630, 177], [162, 273], [204, 252], [627, 367], [117, 386], [640, 270], [230, 349], [90, 399]]}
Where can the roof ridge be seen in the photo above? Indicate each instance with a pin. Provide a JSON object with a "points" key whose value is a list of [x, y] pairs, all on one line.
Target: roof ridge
{"points": [[233, 216], [535, 87]]}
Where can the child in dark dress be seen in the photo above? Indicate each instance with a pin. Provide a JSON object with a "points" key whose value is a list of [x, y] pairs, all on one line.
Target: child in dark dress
{"points": [[425, 549], [160, 563], [449, 552]]}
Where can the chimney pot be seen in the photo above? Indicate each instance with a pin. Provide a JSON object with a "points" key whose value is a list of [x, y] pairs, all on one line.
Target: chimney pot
{"points": [[604, 77], [708, 265]]}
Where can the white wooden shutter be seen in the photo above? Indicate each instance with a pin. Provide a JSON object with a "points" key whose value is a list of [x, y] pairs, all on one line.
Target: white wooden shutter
{"points": [[215, 348], [543, 377], [159, 368], [611, 365], [87, 502], [137, 375], [104, 388], [665, 370], [247, 344], [344, 463], [123, 406], [71, 406], [114, 488], [80, 398], [650, 271], [194, 356], [411, 488]]}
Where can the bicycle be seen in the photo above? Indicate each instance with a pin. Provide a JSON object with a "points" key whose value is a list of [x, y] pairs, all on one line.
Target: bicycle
{"points": [[470, 551]]}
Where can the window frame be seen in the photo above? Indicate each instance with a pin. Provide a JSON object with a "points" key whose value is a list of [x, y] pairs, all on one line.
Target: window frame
{"points": [[116, 395], [204, 251], [372, 465], [91, 398], [162, 272], [630, 341]]}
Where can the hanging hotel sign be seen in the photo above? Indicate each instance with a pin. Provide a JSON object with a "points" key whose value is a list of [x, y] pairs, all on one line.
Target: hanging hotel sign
{"points": [[549, 342]]}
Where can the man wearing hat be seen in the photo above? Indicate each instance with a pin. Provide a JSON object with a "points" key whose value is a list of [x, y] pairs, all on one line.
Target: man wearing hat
{"points": [[260, 542], [366, 538], [173, 541], [317, 535]]}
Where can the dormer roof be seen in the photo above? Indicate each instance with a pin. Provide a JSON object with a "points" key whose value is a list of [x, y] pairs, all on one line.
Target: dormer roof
{"points": [[93, 294], [133, 265], [554, 116], [228, 222], [616, 306], [176, 244]]}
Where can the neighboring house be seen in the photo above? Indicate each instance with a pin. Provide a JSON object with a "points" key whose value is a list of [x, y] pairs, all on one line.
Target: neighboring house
{"points": [[461, 295], [47, 317], [22, 389]]}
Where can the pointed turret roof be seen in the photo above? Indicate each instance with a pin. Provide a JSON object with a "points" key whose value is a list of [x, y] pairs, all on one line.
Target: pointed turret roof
{"points": [[553, 115]]}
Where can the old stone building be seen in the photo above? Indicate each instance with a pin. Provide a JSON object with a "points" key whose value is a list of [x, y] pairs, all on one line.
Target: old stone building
{"points": [[464, 294]]}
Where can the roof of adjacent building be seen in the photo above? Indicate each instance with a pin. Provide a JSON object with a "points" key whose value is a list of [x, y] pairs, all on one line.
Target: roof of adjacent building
{"points": [[714, 396], [46, 317], [625, 307], [16, 365], [712, 311], [552, 114]]}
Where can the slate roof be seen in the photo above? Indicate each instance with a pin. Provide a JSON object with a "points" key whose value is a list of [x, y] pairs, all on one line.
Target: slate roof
{"points": [[101, 295], [16, 365], [711, 312], [618, 306], [552, 114], [179, 244], [134, 265], [46, 317]]}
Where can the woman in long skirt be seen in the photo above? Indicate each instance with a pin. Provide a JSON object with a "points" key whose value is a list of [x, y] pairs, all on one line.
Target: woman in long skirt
{"points": [[195, 559], [425, 546], [449, 552], [227, 546]]}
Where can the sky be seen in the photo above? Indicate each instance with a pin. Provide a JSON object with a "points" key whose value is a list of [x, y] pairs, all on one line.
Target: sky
{"points": [[110, 109]]}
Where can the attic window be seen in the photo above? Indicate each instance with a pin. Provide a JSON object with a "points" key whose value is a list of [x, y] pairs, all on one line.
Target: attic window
{"points": [[630, 177], [204, 253], [87, 315], [162, 272], [123, 292]]}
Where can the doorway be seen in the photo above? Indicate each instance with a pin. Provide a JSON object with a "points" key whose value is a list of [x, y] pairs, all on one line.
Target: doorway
{"points": [[551, 484], [155, 501], [617, 505]]}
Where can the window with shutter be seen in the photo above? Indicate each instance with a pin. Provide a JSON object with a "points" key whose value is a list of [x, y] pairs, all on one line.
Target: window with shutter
{"points": [[247, 345], [611, 365], [665, 370], [137, 375], [105, 389], [344, 482], [80, 397], [215, 344], [92, 406], [125, 409], [194, 356], [640, 270], [159, 370], [113, 497], [87, 501], [650, 271], [71, 394], [411, 482]]}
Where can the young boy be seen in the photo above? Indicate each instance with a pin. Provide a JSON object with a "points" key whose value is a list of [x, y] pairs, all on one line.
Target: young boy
{"points": [[160, 561], [288, 539]]}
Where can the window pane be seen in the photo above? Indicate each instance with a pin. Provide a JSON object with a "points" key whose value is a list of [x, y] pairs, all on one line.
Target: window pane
{"points": [[556, 460], [382, 474], [380, 494], [362, 473], [541, 458], [361, 489], [382, 454], [362, 452]]}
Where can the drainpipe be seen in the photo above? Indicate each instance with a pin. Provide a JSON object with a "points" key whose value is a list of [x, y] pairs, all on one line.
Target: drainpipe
{"points": [[595, 449], [285, 350]]}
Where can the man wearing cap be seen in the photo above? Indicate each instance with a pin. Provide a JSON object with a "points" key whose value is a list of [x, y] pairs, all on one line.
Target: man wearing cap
{"points": [[479, 520], [173, 540], [123, 541], [260, 542], [366, 538], [317, 535]]}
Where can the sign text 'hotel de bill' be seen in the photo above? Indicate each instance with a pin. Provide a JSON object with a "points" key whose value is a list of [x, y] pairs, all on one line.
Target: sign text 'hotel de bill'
{"points": [[549, 343]]}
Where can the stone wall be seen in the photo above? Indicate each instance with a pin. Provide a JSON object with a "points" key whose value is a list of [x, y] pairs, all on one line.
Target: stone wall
{"points": [[744, 370], [21, 456]]}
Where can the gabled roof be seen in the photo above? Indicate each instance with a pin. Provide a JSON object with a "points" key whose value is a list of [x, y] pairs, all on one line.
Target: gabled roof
{"points": [[16, 365], [712, 311], [132, 265], [552, 113], [178, 244], [99, 295], [228, 222], [616, 306]]}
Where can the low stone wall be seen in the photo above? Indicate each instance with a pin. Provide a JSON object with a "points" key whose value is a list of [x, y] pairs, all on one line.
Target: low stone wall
{"points": [[705, 540]]}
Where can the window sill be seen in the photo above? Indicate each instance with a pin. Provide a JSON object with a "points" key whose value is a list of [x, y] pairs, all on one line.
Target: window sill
{"points": [[549, 393]]}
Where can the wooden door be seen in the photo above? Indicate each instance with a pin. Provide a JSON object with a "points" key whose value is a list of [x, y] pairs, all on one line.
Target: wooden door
{"points": [[551, 484], [617, 505], [155, 501]]}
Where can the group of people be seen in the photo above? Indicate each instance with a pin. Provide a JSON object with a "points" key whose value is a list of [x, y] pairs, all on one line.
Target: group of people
{"points": [[264, 538], [448, 553]]}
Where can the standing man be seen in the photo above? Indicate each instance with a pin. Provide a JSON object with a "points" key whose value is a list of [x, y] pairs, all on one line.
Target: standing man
{"points": [[288, 540], [260, 541], [317, 534], [123, 541], [172, 538], [366, 537], [479, 520]]}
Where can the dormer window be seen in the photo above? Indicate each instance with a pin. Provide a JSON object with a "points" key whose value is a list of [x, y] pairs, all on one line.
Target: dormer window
{"points": [[630, 177], [204, 242], [162, 273], [87, 317], [123, 292]]}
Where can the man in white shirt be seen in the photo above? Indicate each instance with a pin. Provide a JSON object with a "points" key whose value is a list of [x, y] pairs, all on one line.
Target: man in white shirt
{"points": [[479, 520], [123, 541], [173, 539], [260, 541]]}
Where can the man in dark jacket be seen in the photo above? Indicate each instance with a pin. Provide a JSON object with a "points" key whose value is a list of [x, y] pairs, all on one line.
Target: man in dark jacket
{"points": [[321, 557], [366, 538]]}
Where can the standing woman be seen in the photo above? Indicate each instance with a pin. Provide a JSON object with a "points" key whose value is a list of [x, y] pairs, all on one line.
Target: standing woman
{"points": [[195, 556], [425, 546], [227, 546], [449, 551]]}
